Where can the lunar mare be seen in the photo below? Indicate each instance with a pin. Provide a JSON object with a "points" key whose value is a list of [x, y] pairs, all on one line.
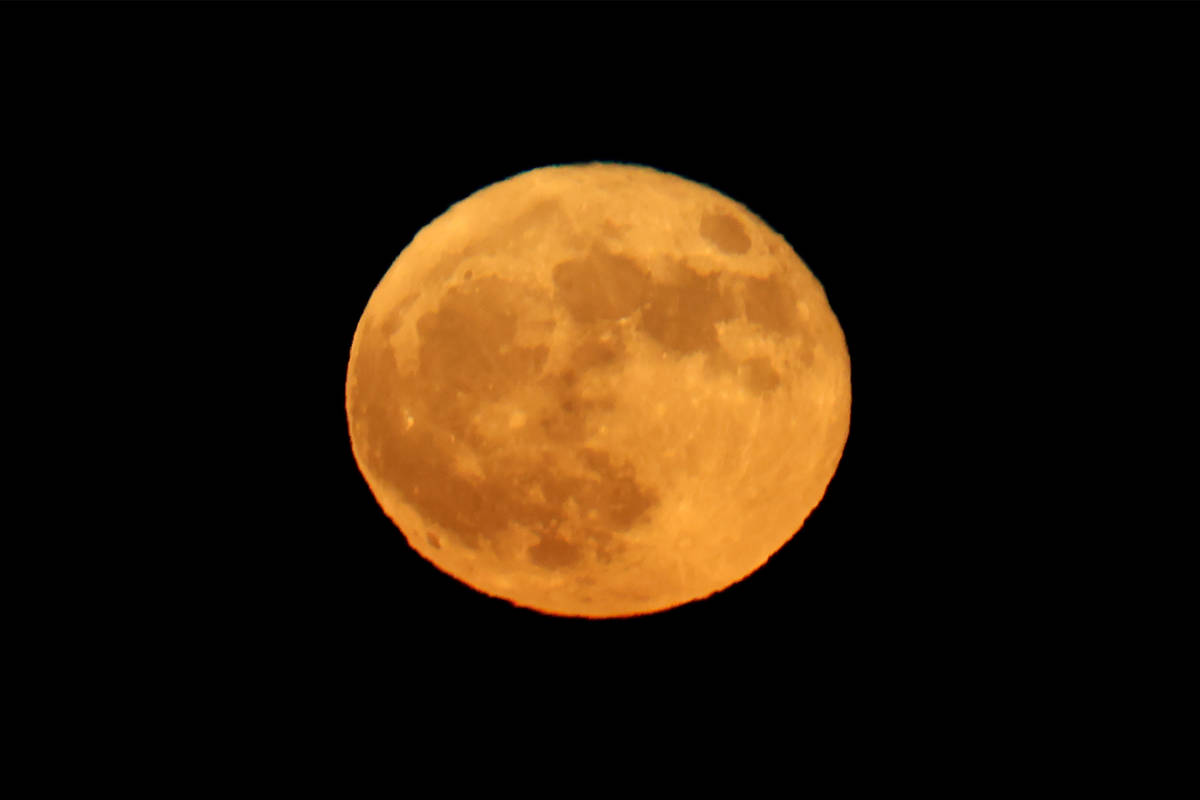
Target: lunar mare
{"points": [[598, 390]]}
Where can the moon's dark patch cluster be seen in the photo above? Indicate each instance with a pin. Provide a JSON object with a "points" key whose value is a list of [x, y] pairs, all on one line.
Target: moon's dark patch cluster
{"points": [[488, 340], [419, 426], [682, 315], [601, 287], [725, 232]]}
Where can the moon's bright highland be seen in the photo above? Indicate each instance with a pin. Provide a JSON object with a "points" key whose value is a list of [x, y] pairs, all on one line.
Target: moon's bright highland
{"points": [[598, 390]]}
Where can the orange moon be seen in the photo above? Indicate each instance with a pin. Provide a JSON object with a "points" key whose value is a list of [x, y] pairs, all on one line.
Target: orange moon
{"points": [[598, 390]]}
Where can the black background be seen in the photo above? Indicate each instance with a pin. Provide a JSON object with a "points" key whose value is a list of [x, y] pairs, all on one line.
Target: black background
{"points": [[942, 169]]}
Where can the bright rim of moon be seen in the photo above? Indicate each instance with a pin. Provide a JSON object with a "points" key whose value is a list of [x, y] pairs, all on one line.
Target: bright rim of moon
{"points": [[598, 390]]}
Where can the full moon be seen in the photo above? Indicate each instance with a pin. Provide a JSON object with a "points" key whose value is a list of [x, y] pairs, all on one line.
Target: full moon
{"points": [[598, 390]]}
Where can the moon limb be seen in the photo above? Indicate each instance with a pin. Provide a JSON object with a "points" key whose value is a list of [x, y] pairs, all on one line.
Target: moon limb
{"points": [[573, 419]]}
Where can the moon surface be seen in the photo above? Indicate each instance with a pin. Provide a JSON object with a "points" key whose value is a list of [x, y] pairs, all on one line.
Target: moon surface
{"points": [[598, 390]]}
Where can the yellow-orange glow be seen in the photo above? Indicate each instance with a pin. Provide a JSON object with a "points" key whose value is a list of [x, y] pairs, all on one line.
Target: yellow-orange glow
{"points": [[598, 390]]}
